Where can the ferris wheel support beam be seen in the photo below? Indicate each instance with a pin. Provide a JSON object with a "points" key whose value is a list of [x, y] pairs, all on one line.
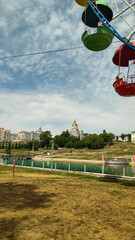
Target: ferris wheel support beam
{"points": [[108, 25], [128, 5], [120, 13], [130, 35]]}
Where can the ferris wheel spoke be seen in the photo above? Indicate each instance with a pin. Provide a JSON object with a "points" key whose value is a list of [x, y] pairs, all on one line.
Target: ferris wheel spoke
{"points": [[108, 25], [127, 23], [120, 13], [130, 35], [128, 5]]}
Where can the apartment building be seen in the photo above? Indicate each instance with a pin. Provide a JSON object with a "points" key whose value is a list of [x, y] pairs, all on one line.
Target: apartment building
{"points": [[4, 135], [25, 136], [133, 136]]}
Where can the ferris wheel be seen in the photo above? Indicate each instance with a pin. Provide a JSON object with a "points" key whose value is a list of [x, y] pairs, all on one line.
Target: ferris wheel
{"points": [[98, 15]]}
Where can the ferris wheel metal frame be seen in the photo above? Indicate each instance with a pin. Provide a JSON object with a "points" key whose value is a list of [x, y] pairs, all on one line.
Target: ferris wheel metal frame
{"points": [[110, 27]]}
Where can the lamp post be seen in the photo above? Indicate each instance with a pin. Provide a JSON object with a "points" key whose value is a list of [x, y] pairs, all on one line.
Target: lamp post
{"points": [[33, 145], [32, 139], [52, 152]]}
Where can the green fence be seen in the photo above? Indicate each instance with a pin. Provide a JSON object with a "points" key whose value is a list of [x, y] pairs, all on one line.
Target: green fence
{"points": [[94, 169], [62, 166], [113, 171], [128, 171]]}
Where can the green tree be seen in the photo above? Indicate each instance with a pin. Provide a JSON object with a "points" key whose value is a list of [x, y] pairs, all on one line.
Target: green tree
{"points": [[45, 139], [29, 145], [36, 145], [122, 136], [61, 140], [16, 146], [79, 144], [8, 148], [3, 146], [12, 146], [65, 140], [69, 144], [107, 137], [19, 145], [55, 146], [93, 141], [129, 137], [65, 134]]}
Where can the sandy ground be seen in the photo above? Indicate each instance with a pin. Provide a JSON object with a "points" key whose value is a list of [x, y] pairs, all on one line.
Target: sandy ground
{"points": [[44, 158], [43, 206]]}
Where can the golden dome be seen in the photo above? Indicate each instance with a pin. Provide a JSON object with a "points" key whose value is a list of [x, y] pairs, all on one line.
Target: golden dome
{"points": [[74, 124]]}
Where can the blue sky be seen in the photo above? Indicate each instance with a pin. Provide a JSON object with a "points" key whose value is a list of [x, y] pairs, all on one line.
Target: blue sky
{"points": [[52, 90]]}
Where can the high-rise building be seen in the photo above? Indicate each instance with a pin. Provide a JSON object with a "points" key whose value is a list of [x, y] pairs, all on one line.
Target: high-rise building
{"points": [[25, 136], [36, 135], [4, 135]]}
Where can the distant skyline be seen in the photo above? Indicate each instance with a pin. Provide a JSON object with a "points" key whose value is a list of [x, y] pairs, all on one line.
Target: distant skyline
{"points": [[69, 129], [52, 90]]}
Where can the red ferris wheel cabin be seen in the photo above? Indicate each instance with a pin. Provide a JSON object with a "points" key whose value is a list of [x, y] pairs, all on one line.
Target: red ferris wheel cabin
{"points": [[123, 88], [122, 57]]}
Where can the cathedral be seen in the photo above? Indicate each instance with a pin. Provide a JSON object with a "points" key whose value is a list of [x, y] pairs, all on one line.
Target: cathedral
{"points": [[74, 130]]}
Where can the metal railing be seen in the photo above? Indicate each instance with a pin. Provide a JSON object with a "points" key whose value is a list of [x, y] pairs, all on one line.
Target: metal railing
{"points": [[128, 171]]}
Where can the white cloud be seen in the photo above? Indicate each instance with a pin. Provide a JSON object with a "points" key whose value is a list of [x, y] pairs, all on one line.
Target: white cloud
{"points": [[55, 89], [5, 77], [27, 111]]}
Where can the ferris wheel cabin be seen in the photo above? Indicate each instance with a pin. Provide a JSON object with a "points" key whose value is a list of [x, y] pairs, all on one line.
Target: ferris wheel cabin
{"points": [[99, 40], [82, 3], [125, 57], [122, 87], [90, 19]]}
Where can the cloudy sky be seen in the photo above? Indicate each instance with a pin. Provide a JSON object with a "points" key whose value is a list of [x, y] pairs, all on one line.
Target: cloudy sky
{"points": [[52, 90]]}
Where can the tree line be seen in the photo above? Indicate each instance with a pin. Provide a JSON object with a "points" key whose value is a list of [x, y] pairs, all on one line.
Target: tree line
{"points": [[8, 146], [91, 141], [64, 140]]}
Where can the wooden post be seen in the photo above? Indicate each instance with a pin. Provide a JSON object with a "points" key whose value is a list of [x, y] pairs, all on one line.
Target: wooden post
{"points": [[13, 167]]}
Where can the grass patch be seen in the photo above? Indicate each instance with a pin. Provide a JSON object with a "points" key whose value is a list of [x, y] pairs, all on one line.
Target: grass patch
{"points": [[38, 204], [24, 170], [117, 149], [6, 169]]}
